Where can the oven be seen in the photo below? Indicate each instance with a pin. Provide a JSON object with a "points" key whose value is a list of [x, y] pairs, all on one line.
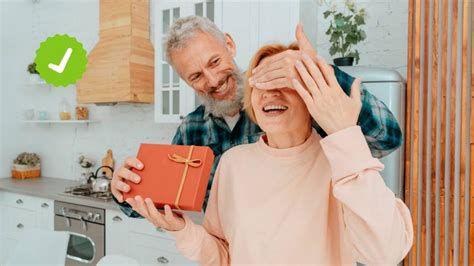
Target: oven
{"points": [[86, 226]]}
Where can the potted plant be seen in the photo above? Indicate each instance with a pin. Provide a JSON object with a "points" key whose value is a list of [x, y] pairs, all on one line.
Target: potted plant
{"points": [[345, 31], [34, 77], [26, 165]]}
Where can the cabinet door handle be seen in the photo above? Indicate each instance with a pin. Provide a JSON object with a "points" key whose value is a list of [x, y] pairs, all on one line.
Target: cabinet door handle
{"points": [[20, 226], [159, 229], [162, 260], [117, 219], [44, 205], [19, 201]]}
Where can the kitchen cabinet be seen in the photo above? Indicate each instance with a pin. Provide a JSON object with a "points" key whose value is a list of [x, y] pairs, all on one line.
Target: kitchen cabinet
{"points": [[140, 240], [116, 232], [19, 213], [251, 24]]}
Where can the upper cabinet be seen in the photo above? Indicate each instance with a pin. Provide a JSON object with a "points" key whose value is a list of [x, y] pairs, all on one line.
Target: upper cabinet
{"points": [[251, 24], [121, 66]]}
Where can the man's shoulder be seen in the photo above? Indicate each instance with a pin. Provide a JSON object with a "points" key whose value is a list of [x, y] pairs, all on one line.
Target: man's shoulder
{"points": [[195, 116]]}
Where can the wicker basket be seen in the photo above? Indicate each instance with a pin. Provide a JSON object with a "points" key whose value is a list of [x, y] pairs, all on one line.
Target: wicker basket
{"points": [[23, 171]]}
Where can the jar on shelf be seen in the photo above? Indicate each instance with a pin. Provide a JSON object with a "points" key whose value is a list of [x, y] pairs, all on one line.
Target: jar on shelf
{"points": [[64, 110], [82, 113]]}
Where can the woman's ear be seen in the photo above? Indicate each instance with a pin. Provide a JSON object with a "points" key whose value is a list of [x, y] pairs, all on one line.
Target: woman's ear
{"points": [[230, 44]]}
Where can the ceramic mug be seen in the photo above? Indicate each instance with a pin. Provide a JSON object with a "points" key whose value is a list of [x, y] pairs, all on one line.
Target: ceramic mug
{"points": [[43, 115]]}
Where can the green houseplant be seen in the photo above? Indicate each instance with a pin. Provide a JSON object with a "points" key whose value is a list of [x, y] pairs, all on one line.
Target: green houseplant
{"points": [[34, 77], [345, 31]]}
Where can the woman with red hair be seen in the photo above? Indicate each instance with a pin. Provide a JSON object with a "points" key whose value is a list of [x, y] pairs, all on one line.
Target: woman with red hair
{"points": [[294, 197]]}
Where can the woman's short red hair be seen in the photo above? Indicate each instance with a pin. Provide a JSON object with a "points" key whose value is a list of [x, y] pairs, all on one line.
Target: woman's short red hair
{"points": [[265, 51]]}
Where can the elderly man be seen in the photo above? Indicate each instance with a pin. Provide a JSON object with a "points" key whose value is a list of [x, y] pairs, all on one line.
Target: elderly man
{"points": [[203, 55]]}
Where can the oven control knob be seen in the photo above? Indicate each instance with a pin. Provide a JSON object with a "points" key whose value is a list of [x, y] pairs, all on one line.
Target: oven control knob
{"points": [[89, 216]]}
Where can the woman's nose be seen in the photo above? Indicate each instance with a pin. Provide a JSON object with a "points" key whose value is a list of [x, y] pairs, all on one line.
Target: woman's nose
{"points": [[271, 93]]}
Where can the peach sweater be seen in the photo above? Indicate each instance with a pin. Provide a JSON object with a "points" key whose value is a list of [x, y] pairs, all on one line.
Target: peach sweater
{"points": [[322, 202]]}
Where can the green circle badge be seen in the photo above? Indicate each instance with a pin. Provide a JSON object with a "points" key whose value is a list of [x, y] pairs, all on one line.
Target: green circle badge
{"points": [[61, 60]]}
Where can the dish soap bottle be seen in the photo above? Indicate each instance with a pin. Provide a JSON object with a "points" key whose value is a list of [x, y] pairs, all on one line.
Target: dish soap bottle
{"points": [[64, 110]]}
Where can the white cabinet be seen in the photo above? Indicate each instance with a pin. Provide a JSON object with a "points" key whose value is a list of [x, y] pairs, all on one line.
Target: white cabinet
{"points": [[140, 240], [251, 24], [19, 213], [22, 212], [116, 230]]}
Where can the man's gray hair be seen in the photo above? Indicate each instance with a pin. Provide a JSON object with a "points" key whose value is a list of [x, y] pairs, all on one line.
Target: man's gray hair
{"points": [[185, 29]]}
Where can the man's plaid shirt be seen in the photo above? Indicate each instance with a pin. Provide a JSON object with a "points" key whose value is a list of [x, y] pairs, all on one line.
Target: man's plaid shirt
{"points": [[200, 128]]}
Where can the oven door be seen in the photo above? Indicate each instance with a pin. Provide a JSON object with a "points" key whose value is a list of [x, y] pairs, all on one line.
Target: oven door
{"points": [[86, 242]]}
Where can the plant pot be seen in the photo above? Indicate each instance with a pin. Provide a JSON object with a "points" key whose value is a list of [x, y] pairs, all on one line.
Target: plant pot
{"points": [[344, 61], [20, 171], [36, 79]]}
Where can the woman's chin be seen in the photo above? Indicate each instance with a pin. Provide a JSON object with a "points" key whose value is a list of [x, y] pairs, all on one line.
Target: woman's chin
{"points": [[274, 129]]}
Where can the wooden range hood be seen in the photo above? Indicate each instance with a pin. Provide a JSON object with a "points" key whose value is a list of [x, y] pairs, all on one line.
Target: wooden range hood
{"points": [[120, 68]]}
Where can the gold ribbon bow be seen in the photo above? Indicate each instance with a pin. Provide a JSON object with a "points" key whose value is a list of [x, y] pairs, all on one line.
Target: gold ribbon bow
{"points": [[187, 162]]}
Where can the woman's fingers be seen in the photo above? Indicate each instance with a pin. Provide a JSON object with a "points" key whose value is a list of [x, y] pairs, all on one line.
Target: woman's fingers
{"points": [[307, 79], [141, 207], [170, 217], [327, 72], [304, 94], [315, 73], [155, 215], [355, 89]]}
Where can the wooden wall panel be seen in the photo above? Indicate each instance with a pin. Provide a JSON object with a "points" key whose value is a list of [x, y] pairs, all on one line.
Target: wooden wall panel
{"points": [[439, 139]]}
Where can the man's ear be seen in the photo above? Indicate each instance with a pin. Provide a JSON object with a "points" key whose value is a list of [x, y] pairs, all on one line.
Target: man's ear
{"points": [[230, 44]]}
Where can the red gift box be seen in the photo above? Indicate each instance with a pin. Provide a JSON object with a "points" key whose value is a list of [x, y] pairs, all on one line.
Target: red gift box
{"points": [[174, 175]]}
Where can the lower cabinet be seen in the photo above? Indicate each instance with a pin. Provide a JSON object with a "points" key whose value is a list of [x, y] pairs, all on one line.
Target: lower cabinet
{"points": [[139, 239], [18, 213]]}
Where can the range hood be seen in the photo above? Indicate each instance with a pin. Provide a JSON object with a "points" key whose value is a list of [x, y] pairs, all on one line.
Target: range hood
{"points": [[120, 68]]}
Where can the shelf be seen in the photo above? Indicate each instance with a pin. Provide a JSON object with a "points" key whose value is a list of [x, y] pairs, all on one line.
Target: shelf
{"points": [[60, 121], [43, 83]]}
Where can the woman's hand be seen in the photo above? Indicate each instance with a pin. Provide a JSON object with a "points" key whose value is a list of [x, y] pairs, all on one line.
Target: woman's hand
{"points": [[277, 71], [168, 221], [327, 103]]}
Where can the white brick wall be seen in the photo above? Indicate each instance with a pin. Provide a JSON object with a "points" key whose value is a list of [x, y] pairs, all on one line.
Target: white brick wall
{"points": [[121, 127], [387, 34]]}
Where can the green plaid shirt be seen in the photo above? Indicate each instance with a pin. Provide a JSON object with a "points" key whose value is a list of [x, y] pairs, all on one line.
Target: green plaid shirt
{"points": [[200, 128]]}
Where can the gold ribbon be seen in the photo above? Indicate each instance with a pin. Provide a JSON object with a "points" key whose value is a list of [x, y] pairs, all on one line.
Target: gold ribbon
{"points": [[187, 162]]}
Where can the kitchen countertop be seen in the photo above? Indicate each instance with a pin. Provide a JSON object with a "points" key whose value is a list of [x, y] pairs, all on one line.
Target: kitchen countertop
{"points": [[51, 188]]}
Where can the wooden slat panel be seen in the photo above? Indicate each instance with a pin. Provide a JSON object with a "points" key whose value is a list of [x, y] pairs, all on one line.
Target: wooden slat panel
{"points": [[464, 103], [444, 87], [471, 205], [408, 112], [418, 181], [424, 137], [452, 137], [434, 122], [471, 140], [416, 111]]}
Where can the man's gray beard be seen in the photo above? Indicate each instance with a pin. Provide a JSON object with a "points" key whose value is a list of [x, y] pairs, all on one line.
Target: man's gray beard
{"points": [[219, 108]]}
